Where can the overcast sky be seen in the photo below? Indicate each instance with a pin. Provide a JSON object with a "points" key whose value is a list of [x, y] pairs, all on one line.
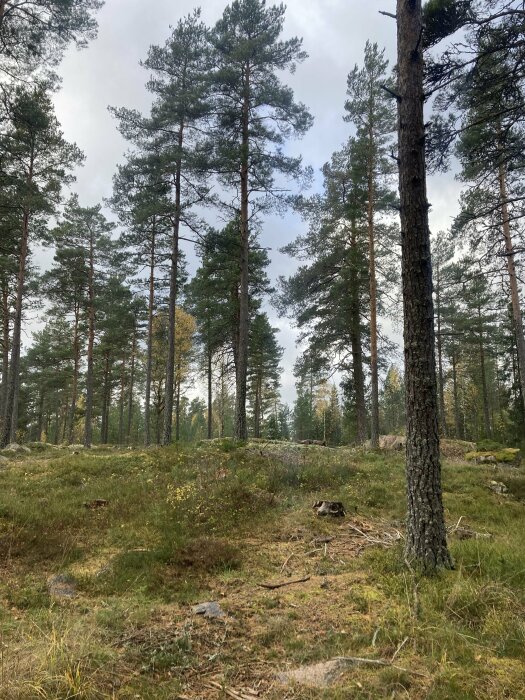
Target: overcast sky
{"points": [[108, 73]]}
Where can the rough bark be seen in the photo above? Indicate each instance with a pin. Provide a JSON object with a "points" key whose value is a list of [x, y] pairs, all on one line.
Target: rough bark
{"points": [[170, 363], [426, 544], [483, 372], [374, 374], [76, 367], [439, 348], [11, 401], [210, 395], [149, 361], [357, 346], [241, 427], [88, 423], [5, 350], [513, 281], [131, 386]]}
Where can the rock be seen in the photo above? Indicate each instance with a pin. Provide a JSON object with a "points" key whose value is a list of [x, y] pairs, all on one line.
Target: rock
{"points": [[212, 610], [14, 449], [62, 586], [392, 442], [486, 459], [319, 443], [333, 508], [75, 448], [320, 675], [3, 461], [498, 487]]}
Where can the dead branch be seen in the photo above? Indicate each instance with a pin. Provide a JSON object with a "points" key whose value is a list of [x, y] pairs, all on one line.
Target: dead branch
{"points": [[273, 586]]}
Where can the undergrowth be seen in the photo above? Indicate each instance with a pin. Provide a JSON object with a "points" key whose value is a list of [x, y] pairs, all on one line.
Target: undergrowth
{"points": [[183, 526]]}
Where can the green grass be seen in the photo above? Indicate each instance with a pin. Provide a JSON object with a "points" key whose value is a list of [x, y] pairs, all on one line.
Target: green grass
{"points": [[211, 523]]}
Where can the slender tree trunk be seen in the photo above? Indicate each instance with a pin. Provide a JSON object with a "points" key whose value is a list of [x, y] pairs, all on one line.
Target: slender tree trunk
{"points": [[374, 374], [513, 280], [210, 396], [177, 411], [439, 343], [65, 420], [88, 424], [40, 419], [76, 366], [483, 371], [11, 400], [257, 409], [131, 386], [426, 543], [241, 427], [356, 344], [121, 402], [172, 314], [106, 402], [457, 417], [5, 350], [149, 361]]}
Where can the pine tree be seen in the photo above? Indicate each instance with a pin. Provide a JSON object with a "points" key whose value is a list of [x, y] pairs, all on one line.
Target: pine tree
{"points": [[426, 542], [36, 160], [370, 109], [256, 113], [264, 355]]}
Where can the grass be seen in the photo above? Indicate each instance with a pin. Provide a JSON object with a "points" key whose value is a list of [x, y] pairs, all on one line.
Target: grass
{"points": [[188, 525]]}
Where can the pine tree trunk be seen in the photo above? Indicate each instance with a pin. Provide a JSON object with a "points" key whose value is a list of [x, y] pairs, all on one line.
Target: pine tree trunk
{"points": [[513, 281], [257, 409], [149, 361], [483, 371], [121, 402], [65, 420], [439, 344], [210, 396], [5, 350], [426, 544], [374, 375], [241, 427], [11, 401], [76, 366], [104, 430], [177, 412], [88, 423], [457, 416], [357, 345], [131, 386], [172, 314], [40, 419]]}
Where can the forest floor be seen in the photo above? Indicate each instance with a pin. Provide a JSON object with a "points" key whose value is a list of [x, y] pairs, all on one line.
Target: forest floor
{"points": [[212, 523]]}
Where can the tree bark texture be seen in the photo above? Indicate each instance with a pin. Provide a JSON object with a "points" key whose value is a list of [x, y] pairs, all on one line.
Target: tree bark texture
{"points": [[426, 544], [149, 361], [172, 314], [513, 281], [241, 426], [88, 424]]}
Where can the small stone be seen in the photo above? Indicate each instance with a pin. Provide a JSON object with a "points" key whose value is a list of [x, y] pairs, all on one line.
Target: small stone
{"points": [[498, 487], [62, 586], [211, 610]]}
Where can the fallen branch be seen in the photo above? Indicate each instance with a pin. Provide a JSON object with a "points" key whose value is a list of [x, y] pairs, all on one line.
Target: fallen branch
{"points": [[273, 586]]}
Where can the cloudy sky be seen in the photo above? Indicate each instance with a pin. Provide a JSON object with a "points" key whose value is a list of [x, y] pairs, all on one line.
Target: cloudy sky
{"points": [[108, 73]]}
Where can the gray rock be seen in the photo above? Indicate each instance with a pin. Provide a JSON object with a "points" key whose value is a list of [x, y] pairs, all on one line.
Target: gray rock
{"points": [[486, 459], [335, 509], [498, 487], [14, 448], [3, 461], [320, 675], [212, 610], [62, 586]]}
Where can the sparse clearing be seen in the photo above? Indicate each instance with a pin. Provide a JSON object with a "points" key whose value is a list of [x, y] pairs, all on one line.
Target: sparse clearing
{"points": [[183, 527]]}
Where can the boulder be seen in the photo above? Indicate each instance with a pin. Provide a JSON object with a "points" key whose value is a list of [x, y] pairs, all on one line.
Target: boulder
{"points": [[334, 509], [62, 586], [498, 487], [16, 449], [211, 610]]}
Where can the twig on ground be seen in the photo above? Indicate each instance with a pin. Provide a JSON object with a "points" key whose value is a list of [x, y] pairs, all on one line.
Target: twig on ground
{"points": [[273, 586]]}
